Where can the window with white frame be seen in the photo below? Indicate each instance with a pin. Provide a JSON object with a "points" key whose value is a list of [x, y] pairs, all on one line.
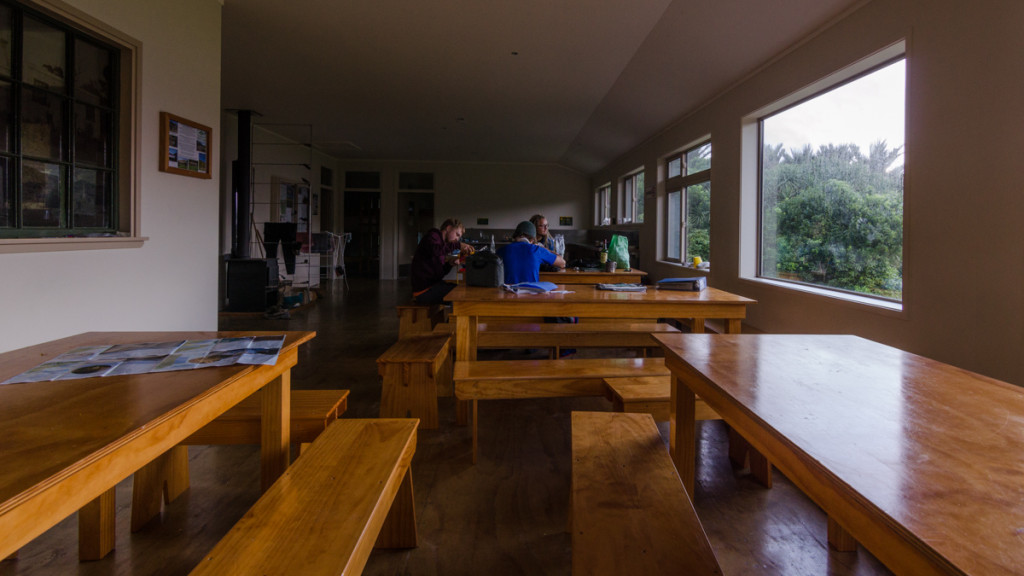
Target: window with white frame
{"points": [[603, 205], [831, 186], [688, 204], [66, 134], [633, 198]]}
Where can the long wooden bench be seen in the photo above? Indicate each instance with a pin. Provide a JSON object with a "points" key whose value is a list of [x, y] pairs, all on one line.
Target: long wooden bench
{"points": [[414, 371], [417, 319], [164, 479], [630, 511], [350, 490], [513, 379], [652, 395]]}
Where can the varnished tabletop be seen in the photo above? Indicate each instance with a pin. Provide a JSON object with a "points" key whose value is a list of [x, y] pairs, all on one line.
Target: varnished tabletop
{"points": [[581, 294], [574, 276], [919, 461], [65, 442], [469, 303]]}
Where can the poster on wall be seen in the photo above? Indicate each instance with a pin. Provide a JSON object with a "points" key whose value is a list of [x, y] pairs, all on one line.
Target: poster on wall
{"points": [[185, 146]]}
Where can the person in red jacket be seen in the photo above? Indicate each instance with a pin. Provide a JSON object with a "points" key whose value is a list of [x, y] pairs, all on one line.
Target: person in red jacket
{"points": [[434, 258]]}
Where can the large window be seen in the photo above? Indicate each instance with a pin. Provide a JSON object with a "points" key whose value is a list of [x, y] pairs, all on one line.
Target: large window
{"points": [[831, 187], [633, 198], [688, 214], [603, 205], [60, 129]]}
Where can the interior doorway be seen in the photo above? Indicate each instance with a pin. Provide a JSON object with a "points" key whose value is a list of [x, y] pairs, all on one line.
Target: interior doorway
{"points": [[417, 217], [362, 219]]}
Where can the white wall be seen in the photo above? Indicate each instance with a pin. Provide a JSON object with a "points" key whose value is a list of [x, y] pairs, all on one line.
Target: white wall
{"points": [[505, 194], [171, 282], [964, 206]]}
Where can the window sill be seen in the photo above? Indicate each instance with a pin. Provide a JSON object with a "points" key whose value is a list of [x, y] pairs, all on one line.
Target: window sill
{"points": [[24, 245], [687, 268], [846, 297]]}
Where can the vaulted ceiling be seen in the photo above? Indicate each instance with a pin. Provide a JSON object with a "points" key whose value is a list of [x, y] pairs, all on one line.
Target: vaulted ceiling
{"points": [[570, 82]]}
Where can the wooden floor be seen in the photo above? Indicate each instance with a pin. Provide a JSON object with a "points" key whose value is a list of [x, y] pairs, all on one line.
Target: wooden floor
{"points": [[504, 516]]}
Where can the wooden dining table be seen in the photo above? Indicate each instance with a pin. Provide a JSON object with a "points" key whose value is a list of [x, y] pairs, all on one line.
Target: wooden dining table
{"points": [[587, 276], [919, 461], [470, 303], [65, 444]]}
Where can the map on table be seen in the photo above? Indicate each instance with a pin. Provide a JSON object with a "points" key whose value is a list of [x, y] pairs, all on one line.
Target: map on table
{"points": [[146, 357]]}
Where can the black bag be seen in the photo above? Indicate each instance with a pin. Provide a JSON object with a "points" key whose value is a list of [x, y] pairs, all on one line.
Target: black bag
{"points": [[485, 269]]}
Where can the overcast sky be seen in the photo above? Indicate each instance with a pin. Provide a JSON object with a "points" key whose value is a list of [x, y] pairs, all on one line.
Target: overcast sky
{"points": [[862, 112]]}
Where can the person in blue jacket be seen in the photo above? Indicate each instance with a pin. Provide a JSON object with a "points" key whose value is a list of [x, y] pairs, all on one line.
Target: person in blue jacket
{"points": [[523, 257]]}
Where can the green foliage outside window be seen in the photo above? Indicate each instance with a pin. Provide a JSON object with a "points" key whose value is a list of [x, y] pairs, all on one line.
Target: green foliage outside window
{"points": [[834, 217]]}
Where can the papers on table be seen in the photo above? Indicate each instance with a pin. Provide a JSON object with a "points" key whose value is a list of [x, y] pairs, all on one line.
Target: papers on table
{"points": [[530, 287], [623, 287], [146, 357]]}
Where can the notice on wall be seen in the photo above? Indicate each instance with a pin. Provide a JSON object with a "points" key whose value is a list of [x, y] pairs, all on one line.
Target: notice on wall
{"points": [[184, 146]]}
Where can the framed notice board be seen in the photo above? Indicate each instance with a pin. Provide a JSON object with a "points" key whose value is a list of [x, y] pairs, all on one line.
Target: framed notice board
{"points": [[185, 146]]}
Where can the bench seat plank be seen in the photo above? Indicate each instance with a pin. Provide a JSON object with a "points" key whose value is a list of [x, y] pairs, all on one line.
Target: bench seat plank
{"points": [[325, 513], [650, 394], [630, 512]]}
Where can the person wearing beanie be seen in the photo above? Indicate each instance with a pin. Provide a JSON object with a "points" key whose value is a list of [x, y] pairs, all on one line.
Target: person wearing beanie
{"points": [[522, 258]]}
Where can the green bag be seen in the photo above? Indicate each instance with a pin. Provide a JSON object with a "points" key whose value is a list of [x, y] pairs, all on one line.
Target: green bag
{"points": [[618, 251]]}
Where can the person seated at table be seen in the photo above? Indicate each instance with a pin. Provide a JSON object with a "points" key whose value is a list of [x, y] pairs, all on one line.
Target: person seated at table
{"points": [[522, 258], [545, 239], [434, 258]]}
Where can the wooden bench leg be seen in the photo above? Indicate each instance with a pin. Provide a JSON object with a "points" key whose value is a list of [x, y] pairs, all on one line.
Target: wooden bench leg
{"points": [[461, 412], [839, 539], [760, 468], [399, 529], [738, 448], [157, 483], [474, 423], [444, 379], [743, 455], [96, 527], [409, 391]]}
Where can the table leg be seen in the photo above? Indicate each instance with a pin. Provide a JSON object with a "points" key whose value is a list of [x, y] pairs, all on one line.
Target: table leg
{"points": [[697, 325], [839, 539], [275, 429], [96, 527], [683, 432], [465, 349], [733, 325]]}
